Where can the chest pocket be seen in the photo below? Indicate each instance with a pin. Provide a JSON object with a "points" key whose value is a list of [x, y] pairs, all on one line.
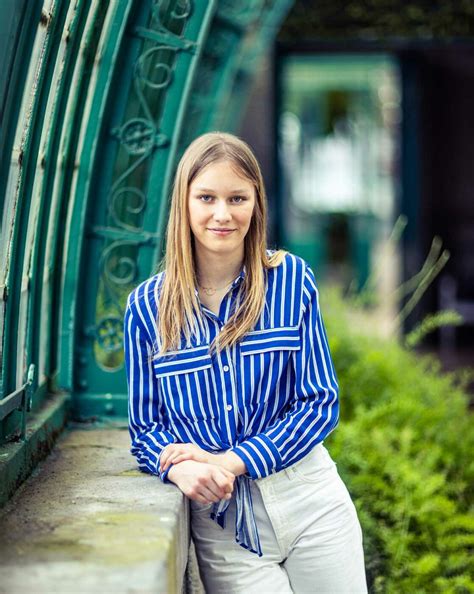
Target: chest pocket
{"points": [[286, 338], [183, 361], [265, 356], [184, 377]]}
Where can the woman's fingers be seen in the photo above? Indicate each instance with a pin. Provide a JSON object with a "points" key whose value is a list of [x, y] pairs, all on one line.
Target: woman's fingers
{"points": [[214, 485], [208, 496], [164, 461], [211, 490], [222, 478], [229, 476], [184, 456], [175, 453], [165, 455], [223, 483], [170, 460], [171, 453], [203, 482]]}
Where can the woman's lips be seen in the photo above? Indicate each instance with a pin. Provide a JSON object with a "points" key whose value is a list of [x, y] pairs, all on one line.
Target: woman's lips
{"points": [[222, 232]]}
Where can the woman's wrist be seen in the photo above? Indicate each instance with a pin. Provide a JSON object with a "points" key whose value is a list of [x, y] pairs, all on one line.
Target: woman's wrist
{"points": [[171, 475], [230, 461]]}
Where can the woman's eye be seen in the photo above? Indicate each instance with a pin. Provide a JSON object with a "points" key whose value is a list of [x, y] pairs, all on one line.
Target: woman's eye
{"points": [[205, 198], [238, 199]]}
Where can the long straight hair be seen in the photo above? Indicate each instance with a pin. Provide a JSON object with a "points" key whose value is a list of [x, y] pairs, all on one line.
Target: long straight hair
{"points": [[178, 306]]}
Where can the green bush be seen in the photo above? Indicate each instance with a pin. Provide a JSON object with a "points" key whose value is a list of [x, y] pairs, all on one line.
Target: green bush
{"points": [[404, 447]]}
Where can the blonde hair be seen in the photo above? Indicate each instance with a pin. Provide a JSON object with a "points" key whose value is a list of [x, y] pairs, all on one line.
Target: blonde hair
{"points": [[178, 306]]}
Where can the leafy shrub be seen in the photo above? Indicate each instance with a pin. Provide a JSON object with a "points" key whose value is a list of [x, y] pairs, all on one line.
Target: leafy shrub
{"points": [[405, 448]]}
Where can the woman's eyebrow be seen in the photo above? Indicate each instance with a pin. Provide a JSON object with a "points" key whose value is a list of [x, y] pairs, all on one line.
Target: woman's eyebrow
{"points": [[213, 191]]}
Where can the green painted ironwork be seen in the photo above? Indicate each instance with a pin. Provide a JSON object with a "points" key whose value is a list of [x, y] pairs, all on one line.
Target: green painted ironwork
{"points": [[54, 193], [31, 244], [22, 240], [121, 240], [96, 72], [250, 57], [101, 99], [19, 38]]}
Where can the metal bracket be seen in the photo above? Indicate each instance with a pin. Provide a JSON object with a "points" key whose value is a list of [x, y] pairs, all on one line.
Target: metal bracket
{"points": [[111, 233], [167, 39], [20, 399]]}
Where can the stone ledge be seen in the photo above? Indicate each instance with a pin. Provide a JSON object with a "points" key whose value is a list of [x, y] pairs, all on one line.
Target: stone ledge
{"points": [[19, 458], [88, 521]]}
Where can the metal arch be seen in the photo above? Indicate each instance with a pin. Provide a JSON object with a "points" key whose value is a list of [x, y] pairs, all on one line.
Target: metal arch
{"points": [[102, 59], [96, 194], [141, 147], [24, 208]]}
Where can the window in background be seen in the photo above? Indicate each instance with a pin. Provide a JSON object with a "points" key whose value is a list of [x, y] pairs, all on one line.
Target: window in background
{"points": [[338, 142]]}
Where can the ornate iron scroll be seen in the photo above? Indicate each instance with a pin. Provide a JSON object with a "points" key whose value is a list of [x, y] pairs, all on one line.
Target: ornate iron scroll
{"points": [[138, 138]]}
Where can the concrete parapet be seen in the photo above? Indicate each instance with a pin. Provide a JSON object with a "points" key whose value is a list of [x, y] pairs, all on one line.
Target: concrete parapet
{"points": [[88, 521]]}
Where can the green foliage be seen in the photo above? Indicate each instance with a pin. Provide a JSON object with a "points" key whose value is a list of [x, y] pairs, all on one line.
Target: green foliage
{"points": [[405, 448], [432, 322]]}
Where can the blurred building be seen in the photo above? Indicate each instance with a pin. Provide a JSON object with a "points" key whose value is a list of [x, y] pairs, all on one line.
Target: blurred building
{"points": [[373, 120]]}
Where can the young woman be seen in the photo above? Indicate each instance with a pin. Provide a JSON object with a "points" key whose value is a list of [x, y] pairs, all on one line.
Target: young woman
{"points": [[232, 388]]}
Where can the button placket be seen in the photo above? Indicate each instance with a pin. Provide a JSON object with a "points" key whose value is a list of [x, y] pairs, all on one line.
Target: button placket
{"points": [[226, 368]]}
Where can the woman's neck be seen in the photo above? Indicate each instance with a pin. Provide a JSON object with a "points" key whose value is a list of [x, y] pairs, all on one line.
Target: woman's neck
{"points": [[214, 272]]}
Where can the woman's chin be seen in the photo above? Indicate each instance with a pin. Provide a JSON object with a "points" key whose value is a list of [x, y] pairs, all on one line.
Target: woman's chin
{"points": [[220, 247]]}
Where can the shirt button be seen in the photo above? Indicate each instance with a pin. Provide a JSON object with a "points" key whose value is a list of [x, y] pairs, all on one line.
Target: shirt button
{"points": [[226, 368], [229, 407]]}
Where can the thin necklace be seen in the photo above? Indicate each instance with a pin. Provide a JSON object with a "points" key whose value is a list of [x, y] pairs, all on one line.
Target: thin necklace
{"points": [[211, 290]]}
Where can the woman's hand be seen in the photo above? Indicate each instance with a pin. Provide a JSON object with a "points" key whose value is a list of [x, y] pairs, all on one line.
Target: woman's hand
{"points": [[174, 453], [205, 483], [178, 452], [230, 461]]}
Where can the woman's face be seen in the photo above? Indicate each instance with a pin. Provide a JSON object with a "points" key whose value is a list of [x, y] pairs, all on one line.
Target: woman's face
{"points": [[221, 204]]}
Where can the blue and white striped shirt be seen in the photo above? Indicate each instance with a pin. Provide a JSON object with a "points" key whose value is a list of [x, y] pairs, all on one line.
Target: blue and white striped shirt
{"points": [[270, 398]]}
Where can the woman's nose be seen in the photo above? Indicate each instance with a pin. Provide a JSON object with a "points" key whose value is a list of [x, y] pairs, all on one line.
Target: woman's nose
{"points": [[221, 211]]}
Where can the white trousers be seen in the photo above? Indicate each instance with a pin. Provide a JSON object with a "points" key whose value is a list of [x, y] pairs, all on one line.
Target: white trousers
{"points": [[309, 531]]}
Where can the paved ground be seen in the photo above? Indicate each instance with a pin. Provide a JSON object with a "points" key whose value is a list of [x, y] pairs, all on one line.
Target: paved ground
{"points": [[89, 521]]}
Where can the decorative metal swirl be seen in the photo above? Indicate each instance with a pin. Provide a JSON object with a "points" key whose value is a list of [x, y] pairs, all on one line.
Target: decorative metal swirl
{"points": [[118, 269], [161, 67], [122, 201], [185, 11], [109, 333], [139, 137], [182, 10]]}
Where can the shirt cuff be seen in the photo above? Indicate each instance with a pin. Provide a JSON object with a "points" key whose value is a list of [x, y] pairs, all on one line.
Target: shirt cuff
{"points": [[164, 475], [260, 456]]}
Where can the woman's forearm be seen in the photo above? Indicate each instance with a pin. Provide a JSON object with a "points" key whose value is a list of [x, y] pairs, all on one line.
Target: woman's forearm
{"points": [[230, 461]]}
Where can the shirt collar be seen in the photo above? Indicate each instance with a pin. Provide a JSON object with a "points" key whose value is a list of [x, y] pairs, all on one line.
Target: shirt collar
{"points": [[240, 277]]}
